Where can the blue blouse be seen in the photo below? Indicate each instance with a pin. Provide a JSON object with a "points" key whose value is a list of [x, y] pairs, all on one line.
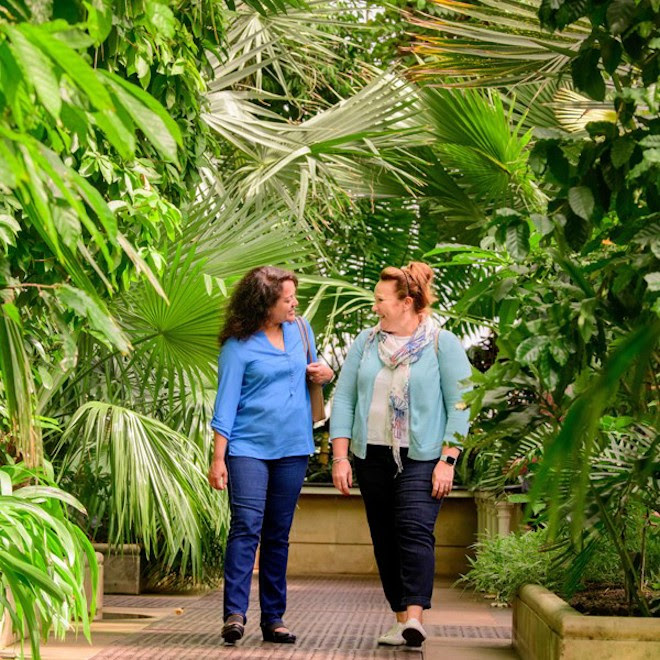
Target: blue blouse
{"points": [[262, 406]]}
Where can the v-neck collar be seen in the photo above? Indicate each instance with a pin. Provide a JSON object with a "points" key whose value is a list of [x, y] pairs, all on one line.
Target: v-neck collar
{"points": [[270, 343]]}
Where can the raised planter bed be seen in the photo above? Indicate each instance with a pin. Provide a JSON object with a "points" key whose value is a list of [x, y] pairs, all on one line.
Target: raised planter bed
{"points": [[121, 568], [330, 535], [545, 627]]}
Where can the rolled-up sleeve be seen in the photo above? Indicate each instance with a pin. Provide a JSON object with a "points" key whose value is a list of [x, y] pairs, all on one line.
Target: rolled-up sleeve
{"points": [[231, 368], [346, 392], [454, 367]]}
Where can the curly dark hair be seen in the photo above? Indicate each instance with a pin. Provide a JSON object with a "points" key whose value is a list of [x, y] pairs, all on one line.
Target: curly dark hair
{"points": [[252, 299]]}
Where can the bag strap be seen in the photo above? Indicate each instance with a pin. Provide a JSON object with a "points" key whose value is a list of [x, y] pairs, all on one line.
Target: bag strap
{"points": [[305, 338]]}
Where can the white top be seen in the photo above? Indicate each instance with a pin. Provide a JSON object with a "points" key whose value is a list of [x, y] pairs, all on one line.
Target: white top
{"points": [[379, 425]]}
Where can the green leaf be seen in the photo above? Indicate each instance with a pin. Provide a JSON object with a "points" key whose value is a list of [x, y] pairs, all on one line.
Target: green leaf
{"points": [[622, 150], [81, 74], [99, 20], [653, 281], [119, 136], [558, 163], [559, 352], [576, 231], [38, 69], [507, 312], [517, 240], [581, 200], [620, 14], [162, 18], [586, 74], [9, 229], [148, 115], [67, 225], [99, 319], [46, 378], [531, 348], [611, 52], [543, 224], [12, 312]]}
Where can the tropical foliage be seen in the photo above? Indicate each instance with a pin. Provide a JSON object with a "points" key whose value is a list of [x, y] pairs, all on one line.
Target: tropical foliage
{"points": [[571, 403], [42, 558], [152, 151]]}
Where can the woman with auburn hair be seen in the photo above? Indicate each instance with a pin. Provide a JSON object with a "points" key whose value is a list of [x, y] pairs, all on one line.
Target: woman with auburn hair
{"points": [[398, 405], [262, 427]]}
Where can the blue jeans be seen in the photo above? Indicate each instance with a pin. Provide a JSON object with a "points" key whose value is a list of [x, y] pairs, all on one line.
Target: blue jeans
{"points": [[262, 497], [401, 514]]}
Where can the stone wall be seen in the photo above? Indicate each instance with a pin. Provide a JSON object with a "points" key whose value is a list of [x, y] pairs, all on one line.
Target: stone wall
{"points": [[330, 534]]}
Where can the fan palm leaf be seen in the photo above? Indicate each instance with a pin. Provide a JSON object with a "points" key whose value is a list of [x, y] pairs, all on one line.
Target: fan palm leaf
{"points": [[159, 488], [359, 147], [263, 46], [504, 45], [478, 145]]}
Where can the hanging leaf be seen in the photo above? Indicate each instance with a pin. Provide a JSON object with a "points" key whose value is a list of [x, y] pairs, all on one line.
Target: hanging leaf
{"points": [[38, 69], [98, 318], [80, 73], [622, 150], [586, 74], [149, 116], [517, 240], [581, 200], [620, 14], [530, 349]]}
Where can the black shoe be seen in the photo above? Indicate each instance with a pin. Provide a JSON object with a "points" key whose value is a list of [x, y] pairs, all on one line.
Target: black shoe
{"points": [[277, 636], [233, 629]]}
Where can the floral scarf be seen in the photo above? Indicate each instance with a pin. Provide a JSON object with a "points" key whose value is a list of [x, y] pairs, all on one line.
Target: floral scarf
{"points": [[399, 358]]}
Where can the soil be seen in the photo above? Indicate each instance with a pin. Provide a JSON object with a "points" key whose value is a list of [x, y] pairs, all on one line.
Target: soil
{"points": [[607, 600]]}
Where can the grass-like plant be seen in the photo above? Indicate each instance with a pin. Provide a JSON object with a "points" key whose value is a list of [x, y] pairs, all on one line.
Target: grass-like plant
{"points": [[504, 563]]}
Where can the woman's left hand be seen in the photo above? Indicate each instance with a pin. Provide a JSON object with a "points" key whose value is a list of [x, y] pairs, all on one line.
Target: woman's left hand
{"points": [[442, 480], [320, 373]]}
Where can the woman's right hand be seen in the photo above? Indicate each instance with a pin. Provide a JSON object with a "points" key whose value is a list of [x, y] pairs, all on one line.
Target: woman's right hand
{"points": [[218, 474], [342, 476]]}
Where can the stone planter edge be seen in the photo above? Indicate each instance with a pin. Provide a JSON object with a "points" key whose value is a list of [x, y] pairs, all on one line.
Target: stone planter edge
{"points": [[121, 574], [546, 627]]}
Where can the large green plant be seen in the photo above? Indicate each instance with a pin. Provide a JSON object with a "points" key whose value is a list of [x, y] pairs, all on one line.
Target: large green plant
{"points": [[43, 556]]}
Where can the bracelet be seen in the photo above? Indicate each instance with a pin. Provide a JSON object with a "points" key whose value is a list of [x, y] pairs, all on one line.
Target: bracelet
{"points": [[338, 459]]}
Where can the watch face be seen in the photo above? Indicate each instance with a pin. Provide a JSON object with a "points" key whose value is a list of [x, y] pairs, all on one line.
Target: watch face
{"points": [[450, 460]]}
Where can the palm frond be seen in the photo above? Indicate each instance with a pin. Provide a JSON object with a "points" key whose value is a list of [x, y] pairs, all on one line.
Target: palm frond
{"points": [[486, 156], [42, 559], [360, 147], [158, 489], [503, 45], [285, 47], [574, 111]]}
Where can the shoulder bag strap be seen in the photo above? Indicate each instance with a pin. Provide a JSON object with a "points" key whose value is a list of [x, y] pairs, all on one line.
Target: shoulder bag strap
{"points": [[305, 338]]}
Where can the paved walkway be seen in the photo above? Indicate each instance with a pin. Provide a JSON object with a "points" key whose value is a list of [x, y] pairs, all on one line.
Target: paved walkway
{"points": [[335, 618]]}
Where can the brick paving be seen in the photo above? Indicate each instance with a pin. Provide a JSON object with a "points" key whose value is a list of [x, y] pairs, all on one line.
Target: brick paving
{"points": [[335, 618]]}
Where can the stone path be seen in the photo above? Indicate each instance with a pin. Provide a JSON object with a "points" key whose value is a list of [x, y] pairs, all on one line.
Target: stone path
{"points": [[335, 618]]}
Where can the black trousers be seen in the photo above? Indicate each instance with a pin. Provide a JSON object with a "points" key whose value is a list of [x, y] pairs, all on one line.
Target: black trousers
{"points": [[401, 515]]}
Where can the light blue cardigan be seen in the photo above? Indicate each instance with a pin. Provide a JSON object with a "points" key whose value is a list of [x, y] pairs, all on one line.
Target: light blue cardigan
{"points": [[435, 389]]}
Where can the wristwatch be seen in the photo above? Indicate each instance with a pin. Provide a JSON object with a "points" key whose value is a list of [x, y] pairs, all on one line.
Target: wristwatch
{"points": [[450, 460]]}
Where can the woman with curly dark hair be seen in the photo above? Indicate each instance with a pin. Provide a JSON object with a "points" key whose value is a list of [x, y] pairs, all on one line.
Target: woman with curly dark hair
{"points": [[262, 425]]}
